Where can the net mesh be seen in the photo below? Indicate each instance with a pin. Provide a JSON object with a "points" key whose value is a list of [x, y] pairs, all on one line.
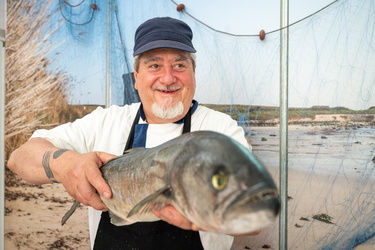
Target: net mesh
{"points": [[331, 99]]}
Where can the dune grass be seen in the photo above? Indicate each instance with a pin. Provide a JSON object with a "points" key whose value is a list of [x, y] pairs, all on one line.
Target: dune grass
{"points": [[35, 89]]}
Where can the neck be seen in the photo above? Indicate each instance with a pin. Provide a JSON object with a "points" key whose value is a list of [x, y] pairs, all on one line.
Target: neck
{"points": [[151, 118]]}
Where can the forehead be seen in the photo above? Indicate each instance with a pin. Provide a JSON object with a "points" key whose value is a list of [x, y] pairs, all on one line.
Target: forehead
{"points": [[165, 54]]}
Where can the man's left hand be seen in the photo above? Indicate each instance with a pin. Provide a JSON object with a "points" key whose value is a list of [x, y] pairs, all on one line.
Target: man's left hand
{"points": [[172, 216]]}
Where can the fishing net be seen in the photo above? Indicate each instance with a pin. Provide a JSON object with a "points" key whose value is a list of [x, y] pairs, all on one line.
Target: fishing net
{"points": [[331, 98]]}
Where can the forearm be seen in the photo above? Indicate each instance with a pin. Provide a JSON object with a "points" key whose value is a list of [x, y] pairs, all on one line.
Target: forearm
{"points": [[79, 173], [27, 160]]}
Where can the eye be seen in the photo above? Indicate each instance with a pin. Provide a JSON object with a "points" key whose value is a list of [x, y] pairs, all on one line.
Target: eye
{"points": [[154, 66], [219, 181], [180, 67]]}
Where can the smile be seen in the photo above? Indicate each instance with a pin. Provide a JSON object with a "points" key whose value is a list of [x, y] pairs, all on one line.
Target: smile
{"points": [[167, 89]]}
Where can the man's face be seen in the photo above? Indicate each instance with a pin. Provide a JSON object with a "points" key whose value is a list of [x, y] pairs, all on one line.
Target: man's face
{"points": [[165, 78]]}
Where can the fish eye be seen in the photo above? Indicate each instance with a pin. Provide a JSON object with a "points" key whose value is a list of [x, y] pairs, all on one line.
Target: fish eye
{"points": [[219, 181]]}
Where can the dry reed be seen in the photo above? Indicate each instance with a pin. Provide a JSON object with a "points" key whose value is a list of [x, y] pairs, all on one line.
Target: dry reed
{"points": [[34, 90]]}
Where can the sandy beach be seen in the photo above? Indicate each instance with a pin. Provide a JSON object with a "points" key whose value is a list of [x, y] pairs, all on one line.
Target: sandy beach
{"points": [[33, 215], [330, 173]]}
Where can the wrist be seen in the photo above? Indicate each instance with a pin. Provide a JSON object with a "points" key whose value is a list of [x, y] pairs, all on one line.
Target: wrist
{"points": [[50, 158], [47, 167]]}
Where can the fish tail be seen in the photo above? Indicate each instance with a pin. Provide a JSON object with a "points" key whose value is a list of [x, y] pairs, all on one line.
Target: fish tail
{"points": [[69, 213]]}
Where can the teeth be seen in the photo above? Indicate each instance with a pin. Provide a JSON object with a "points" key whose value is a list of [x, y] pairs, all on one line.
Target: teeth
{"points": [[167, 91]]}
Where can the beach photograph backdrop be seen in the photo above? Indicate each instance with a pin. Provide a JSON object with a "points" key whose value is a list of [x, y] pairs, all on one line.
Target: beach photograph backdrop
{"points": [[65, 58]]}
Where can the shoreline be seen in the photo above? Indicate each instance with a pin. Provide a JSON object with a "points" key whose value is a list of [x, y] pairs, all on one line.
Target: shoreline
{"points": [[328, 174]]}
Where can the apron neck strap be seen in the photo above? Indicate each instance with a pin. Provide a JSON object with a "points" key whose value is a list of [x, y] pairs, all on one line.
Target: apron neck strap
{"points": [[129, 143]]}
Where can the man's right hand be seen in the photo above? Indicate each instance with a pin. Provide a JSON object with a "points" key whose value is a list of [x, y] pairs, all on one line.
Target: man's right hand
{"points": [[81, 176], [79, 173]]}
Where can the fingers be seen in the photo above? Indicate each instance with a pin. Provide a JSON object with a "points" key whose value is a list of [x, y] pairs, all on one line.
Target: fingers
{"points": [[104, 157], [82, 178], [172, 216], [255, 233], [249, 234], [87, 193], [95, 178], [195, 228]]}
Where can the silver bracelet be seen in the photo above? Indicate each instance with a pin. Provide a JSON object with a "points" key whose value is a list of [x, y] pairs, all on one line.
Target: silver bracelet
{"points": [[47, 168]]}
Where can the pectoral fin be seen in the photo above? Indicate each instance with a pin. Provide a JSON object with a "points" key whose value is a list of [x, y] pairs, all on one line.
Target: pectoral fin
{"points": [[155, 201], [116, 220]]}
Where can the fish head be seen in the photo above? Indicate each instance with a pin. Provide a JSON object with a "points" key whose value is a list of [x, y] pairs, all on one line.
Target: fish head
{"points": [[220, 186]]}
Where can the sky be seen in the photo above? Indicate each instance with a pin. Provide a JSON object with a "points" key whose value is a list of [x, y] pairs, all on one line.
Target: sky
{"points": [[325, 51], [249, 16]]}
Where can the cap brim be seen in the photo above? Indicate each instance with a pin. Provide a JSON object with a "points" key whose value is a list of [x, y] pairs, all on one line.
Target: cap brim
{"points": [[164, 44]]}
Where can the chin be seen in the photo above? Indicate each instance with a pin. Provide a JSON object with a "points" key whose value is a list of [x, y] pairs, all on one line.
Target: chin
{"points": [[168, 110]]}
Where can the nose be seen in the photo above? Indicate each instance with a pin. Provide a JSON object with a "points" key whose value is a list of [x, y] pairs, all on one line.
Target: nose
{"points": [[168, 76]]}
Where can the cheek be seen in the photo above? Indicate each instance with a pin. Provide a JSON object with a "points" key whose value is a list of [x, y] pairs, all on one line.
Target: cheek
{"points": [[191, 88], [189, 81], [142, 82]]}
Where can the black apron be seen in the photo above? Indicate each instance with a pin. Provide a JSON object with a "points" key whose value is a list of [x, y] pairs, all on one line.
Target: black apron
{"points": [[146, 235]]}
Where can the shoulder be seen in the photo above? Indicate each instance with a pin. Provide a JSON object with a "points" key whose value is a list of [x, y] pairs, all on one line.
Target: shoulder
{"points": [[104, 129], [208, 119], [116, 111], [203, 111], [207, 115]]}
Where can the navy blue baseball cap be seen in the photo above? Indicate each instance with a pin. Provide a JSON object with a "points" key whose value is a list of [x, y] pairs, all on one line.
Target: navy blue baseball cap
{"points": [[163, 32]]}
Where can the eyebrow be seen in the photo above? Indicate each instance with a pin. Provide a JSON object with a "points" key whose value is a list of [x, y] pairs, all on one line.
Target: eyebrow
{"points": [[156, 58], [181, 58], [151, 59]]}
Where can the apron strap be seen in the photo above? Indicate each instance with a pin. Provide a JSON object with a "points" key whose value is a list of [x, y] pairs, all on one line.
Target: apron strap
{"points": [[187, 122], [130, 141]]}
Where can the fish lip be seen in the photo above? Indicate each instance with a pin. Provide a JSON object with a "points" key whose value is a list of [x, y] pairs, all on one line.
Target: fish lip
{"points": [[255, 196]]}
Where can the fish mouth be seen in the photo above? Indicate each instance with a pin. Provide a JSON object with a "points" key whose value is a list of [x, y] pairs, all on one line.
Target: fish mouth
{"points": [[263, 195], [251, 210], [254, 200]]}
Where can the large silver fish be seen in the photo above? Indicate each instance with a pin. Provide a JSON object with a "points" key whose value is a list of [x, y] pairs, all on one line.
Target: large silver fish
{"points": [[211, 179]]}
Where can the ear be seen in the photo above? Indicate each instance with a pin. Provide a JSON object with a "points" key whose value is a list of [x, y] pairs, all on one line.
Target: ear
{"points": [[135, 79]]}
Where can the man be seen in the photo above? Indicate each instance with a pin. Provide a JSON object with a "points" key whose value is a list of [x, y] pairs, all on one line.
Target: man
{"points": [[73, 153]]}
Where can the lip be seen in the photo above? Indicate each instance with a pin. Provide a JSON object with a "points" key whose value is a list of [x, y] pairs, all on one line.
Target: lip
{"points": [[263, 195], [167, 90]]}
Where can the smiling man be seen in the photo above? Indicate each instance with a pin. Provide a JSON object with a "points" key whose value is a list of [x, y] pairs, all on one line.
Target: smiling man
{"points": [[165, 80], [72, 153]]}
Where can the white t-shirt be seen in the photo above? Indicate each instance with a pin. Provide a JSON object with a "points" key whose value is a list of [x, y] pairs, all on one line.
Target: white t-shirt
{"points": [[107, 130]]}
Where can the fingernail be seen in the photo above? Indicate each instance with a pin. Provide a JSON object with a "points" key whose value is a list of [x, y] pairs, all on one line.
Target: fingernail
{"points": [[106, 195]]}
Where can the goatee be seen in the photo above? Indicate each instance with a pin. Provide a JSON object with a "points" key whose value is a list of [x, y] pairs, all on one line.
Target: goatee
{"points": [[168, 111]]}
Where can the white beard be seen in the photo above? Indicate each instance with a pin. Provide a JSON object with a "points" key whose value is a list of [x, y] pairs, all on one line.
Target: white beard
{"points": [[168, 112]]}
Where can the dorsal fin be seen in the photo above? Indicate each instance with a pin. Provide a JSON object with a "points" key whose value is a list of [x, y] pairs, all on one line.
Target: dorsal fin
{"points": [[132, 150]]}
